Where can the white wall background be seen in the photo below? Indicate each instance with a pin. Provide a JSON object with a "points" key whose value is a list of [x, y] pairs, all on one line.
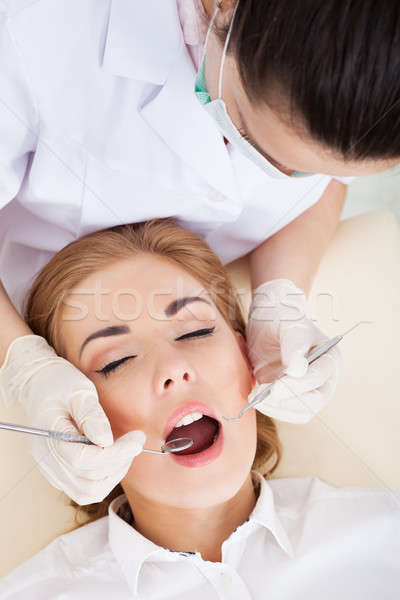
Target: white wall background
{"points": [[376, 192]]}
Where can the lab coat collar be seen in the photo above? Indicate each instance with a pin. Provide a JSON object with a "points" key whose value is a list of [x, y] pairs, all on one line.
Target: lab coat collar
{"points": [[132, 550], [145, 42]]}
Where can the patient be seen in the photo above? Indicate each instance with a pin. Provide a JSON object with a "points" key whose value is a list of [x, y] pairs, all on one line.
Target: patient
{"points": [[208, 521]]}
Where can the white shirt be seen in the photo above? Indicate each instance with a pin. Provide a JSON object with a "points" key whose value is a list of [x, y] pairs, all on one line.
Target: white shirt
{"points": [[305, 540], [99, 125]]}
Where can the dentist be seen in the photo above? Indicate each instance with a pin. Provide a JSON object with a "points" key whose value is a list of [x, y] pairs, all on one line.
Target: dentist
{"points": [[241, 119]]}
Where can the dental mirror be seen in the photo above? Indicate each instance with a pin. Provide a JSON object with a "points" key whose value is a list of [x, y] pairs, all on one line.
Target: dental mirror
{"points": [[175, 445]]}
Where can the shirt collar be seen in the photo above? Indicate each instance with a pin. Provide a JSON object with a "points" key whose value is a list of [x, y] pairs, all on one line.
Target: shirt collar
{"points": [[265, 513], [132, 550], [193, 23]]}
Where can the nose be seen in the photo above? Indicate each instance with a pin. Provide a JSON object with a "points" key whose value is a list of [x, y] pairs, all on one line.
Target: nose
{"points": [[173, 374]]}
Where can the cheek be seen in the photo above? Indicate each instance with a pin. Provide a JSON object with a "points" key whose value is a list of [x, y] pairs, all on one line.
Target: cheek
{"points": [[228, 373], [229, 370], [122, 410]]}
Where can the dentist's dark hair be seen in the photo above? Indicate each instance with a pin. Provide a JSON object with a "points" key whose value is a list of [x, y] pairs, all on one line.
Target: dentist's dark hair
{"points": [[333, 65]]}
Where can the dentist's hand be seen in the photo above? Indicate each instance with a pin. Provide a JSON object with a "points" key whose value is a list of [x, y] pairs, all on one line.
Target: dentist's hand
{"points": [[57, 396], [279, 336]]}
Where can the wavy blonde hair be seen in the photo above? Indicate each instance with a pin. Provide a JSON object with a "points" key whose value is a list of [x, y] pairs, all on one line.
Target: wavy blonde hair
{"points": [[159, 237]]}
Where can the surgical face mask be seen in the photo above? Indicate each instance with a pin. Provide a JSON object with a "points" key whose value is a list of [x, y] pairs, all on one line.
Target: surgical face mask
{"points": [[217, 110]]}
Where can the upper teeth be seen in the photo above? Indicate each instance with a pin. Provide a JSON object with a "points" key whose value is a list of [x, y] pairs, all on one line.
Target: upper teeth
{"points": [[190, 418]]}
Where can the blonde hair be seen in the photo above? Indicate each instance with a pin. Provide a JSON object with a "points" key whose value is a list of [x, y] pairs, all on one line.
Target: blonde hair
{"points": [[159, 237]]}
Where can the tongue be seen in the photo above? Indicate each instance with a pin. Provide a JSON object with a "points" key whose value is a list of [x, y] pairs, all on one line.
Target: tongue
{"points": [[202, 433]]}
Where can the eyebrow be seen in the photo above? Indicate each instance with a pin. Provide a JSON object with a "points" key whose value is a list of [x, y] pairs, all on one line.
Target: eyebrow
{"points": [[106, 332], [253, 143], [170, 311], [176, 305]]}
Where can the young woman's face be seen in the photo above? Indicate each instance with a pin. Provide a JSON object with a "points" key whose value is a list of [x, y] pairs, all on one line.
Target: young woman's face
{"points": [[166, 355]]}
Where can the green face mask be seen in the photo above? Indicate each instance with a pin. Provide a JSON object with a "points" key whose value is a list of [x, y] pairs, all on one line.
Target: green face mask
{"points": [[200, 88]]}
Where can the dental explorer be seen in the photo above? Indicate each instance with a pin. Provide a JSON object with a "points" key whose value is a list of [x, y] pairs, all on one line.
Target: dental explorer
{"points": [[319, 351]]}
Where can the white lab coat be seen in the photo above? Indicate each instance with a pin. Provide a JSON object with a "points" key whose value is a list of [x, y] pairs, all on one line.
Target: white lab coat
{"points": [[99, 126]]}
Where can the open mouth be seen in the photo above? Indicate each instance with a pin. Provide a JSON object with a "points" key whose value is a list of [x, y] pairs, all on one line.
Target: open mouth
{"points": [[204, 432]]}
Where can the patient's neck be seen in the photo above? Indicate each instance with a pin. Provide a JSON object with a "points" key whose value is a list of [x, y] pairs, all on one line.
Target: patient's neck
{"points": [[192, 530]]}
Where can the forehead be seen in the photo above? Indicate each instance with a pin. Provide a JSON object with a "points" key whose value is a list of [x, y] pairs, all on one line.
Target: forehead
{"points": [[287, 140], [132, 288]]}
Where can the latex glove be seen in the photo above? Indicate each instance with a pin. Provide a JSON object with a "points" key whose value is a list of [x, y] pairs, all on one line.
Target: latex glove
{"points": [[57, 396], [279, 335]]}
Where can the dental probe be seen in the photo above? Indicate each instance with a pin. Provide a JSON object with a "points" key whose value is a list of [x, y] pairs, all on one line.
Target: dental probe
{"points": [[175, 445], [319, 351]]}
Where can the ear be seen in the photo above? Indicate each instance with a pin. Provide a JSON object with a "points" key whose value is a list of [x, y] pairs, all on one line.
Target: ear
{"points": [[245, 352]]}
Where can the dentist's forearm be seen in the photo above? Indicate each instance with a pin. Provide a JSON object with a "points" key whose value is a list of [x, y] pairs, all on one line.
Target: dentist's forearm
{"points": [[11, 324], [296, 250]]}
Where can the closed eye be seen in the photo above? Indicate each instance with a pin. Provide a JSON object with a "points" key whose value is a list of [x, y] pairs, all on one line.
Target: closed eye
{"points": [[267, 156], [197, 333], [245, 136], [112, 366]]}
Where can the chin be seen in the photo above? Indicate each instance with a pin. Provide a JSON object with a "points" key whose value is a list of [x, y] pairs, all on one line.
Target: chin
{"points": [[212, 489], [190, 488]]}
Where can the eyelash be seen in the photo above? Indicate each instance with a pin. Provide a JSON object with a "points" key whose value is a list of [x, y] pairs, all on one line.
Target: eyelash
{"points": [[113, 366], [197, 333], [245, 136]]}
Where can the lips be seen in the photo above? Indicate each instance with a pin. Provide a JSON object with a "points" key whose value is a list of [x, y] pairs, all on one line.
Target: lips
{"points": [[184, 410], [205, 457]]}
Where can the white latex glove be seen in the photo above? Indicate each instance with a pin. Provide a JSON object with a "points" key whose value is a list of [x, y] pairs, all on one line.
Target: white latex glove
{"points": [[279, 335], [56, 396]]}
